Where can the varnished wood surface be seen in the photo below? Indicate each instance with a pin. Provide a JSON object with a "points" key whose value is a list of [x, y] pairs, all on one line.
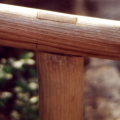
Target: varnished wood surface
{"points": [[60, 87], [59, 33]]}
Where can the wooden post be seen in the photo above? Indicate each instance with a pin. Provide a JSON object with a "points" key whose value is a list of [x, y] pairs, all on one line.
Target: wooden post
{"points": [[60, 86]]}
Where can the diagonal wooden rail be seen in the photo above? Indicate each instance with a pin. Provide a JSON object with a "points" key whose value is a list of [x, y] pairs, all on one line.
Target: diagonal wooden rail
{"points": [[59, 33], [60, 40]]}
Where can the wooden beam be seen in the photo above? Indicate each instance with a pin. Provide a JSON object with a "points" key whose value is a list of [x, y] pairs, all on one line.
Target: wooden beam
{"points": [[59, 33], [60, 86]]}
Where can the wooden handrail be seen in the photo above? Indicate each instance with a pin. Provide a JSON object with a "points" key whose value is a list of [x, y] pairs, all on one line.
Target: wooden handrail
{"points": [[59, 33]]}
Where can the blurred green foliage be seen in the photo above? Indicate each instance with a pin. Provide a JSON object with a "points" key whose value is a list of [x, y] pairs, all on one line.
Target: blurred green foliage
{"points": [[18, 88]]}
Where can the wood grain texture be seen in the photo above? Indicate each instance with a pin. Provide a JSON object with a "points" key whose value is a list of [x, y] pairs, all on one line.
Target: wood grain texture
{"points": [[60, 87], [57, 33]]}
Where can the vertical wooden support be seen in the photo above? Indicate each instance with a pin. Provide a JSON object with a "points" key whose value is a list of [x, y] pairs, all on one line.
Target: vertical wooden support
{"points": [[60, 87]]}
